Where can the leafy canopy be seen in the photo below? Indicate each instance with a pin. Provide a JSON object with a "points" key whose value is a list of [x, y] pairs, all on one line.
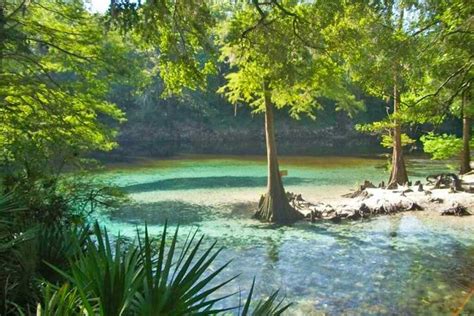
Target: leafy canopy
{"points": [[176, 36], [450, 72], [57, 66], [386, 46], [283, 45]]}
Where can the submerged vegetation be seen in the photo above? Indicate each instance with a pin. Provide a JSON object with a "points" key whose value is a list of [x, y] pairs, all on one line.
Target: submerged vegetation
{"points": [[70, 79]]}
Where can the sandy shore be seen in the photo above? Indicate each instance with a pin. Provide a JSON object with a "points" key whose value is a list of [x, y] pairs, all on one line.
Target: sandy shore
{"points": [[371, 201]]}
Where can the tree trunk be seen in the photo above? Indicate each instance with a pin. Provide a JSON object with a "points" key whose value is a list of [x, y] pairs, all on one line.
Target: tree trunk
{"points": [[398, 174], [274, 206], [466, 138]]}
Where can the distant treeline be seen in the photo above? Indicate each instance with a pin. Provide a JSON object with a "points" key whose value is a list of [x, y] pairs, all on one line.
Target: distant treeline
{"points": [[205, 123]]}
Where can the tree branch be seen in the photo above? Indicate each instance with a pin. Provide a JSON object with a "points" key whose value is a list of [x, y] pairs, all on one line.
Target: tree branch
{"points": [[454, 74], [260, 21]]}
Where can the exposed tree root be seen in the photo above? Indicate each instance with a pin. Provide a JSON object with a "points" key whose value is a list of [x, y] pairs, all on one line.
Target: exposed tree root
{"points": [[277, 210]]}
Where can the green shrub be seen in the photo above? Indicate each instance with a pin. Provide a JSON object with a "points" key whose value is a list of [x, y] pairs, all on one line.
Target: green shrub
{"points": [[441, 146], [151, 277]]}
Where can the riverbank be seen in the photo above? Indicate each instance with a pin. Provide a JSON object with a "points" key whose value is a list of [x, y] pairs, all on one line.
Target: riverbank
{"points": [[369, 201]]}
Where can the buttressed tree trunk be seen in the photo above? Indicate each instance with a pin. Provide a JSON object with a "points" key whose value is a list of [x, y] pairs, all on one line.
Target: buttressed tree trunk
{"points": [[274, 206], [398, 174], [466, 137]]}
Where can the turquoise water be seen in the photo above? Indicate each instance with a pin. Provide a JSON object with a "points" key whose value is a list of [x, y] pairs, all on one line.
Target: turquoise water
{"points": [[413, 263]]}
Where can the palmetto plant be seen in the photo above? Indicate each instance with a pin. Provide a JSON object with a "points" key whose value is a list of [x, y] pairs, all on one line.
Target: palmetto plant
{"points": [[56, 244], [270, 306], [106, 275], [151, 277], [25, 247], [17, 260], [63, 301], [88, 273], [176, 285], [9, 234]]}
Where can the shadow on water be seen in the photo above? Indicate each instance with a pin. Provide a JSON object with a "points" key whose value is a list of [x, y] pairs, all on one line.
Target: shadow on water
{"points": [[273, 246], [183, 213], [157, 213], [392, 265], [209, 183], [375, 264], [341, 232], [239, 210]]}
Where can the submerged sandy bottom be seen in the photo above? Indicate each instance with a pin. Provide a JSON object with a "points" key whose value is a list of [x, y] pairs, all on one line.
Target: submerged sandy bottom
{"points": [[406, 264]]}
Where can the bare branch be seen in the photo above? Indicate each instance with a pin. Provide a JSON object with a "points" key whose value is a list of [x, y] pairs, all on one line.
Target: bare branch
{"points": [[454, 74], [423, 29], [87, 58], [262, 19]]}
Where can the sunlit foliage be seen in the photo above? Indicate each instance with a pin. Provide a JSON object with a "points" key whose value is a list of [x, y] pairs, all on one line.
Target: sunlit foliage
{"points": [[284, 45], [57, 65]]}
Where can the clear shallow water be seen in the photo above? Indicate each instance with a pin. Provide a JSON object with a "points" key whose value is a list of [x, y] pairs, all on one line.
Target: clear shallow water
{"points": [[399, 265]]}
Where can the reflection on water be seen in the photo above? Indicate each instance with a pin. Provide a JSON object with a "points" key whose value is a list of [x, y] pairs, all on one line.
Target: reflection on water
{"points": [[396, 265]]}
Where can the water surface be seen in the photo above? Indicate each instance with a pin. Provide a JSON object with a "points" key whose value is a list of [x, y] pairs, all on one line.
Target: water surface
{"points": [[412, 263]]}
